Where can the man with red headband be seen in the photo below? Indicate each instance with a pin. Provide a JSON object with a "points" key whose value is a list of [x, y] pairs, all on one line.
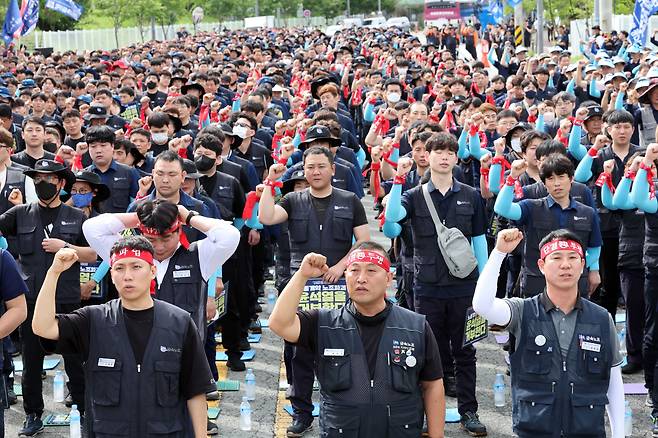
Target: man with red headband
{"points": [[145, 366], [378, 364], [566, 364]]}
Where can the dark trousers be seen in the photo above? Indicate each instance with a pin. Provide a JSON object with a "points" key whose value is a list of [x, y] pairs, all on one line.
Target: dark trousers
{"points": [[236, 306], [610, 285], [446, 318], [405, 293], [210, 349], [302, 371], [632, 288], [650, 345], [243, 288], [33, 355]]}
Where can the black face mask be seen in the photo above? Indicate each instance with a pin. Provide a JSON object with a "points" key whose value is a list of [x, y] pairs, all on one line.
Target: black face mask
{"points": [[203, 163], [46, 191], [151, 85], [530, 94], [50, 147]]}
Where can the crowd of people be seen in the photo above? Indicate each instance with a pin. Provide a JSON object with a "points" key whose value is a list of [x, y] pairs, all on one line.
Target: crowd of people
{"points": [[146, 192]]}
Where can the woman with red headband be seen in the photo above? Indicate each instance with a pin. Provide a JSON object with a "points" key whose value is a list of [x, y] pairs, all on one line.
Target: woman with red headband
{"points": [[145, 367], [378, 364], [566, 364]]}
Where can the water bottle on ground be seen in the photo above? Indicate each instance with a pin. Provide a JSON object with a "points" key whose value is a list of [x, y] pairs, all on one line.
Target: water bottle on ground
{"points": [[74, 423], [58, 386], [250, 385], [271, 299], [622, 342], [628, 419], [499, 391], [245, 414]]}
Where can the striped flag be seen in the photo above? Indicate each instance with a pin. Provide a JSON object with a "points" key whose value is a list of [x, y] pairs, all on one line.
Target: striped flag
{"points": [[30, 16], [13, 22]]}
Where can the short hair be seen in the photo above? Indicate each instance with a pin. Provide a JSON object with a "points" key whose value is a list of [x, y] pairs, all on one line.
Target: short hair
{"points": [[169, 156], [182, 100], [158, 214], [158, 120], [324, 114], [127, 90], [132, 242], [241, 115], [209, 141], [370, 245], [442, 141], [420, 136], [319, 150], [565, 97], [123, 143], [6, 139], [506, 113], [34, 120], [328, 88], [619, 116], [100, 134], [487, 107], [215, 131], [528, 136], [71, 114], [556, 164], [5, 111], [561, 234], [549, 147], [140, 131], [253, 107]]}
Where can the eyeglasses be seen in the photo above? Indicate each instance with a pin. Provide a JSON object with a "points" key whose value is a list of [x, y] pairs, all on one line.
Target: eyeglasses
{"points": [[48, 178], [80, 192]]}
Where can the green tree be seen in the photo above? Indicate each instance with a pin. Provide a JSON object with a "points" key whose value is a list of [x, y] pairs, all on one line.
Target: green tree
{"points": [[168, 15], [143, 11], [119, 10]]}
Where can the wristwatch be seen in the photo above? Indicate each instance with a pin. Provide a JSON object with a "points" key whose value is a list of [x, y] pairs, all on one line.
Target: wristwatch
{"points": [[66, 245], [190, 215]]}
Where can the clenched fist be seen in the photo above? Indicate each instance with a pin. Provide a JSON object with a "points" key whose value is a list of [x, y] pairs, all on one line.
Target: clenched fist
{"points": [[64, 259]]}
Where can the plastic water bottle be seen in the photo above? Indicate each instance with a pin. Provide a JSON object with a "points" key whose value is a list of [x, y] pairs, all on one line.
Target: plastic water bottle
{"points": [[499, 391], [271, 299], [245, 414], [250, 385], [628, 419], [58, 386], [622, 342], [74, 423]]}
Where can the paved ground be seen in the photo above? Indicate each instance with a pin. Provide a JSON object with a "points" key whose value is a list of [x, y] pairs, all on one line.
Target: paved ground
{"points": [[269, 420]]}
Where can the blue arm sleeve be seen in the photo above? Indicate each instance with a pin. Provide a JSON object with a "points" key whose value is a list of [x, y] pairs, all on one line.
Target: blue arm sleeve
{"points": [[394, 212], [606, 198], [296, 140], [640, 193], [238, 223], [463, 153], [636, 70], [577, 150], [540, 125], [619, 101], [584, 169], [480, 250], [494, 178], [101, 272], [369, 113], [551, 83], [490, 57], [571, 86], [3, 242], [474, 146], [593, 89], [212, 282], [235, 107], [621, 200], [505, 205], [253, 221], [361, 157], [592, 258], [507, 57]]}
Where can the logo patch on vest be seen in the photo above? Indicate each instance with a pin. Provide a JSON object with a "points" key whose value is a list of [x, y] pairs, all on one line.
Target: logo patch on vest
{"points": [[577, 218], [106, 363], [402, 349], [463, 203], [590, 343], [334, 352], [119, 178], [341, 207], [182, 274], [169, 349]]}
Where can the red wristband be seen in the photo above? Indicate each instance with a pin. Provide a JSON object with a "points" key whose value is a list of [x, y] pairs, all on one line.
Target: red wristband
{"points": [[375, 167], [593, 152], [484, 171], [630, 175], [272, 185], [645, 167], [577, 122], [399, 179], [59, 159], [510, 181]]}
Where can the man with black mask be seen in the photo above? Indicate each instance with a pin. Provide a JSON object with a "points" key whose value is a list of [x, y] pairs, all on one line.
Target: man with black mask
{"points": [[156, 97]]}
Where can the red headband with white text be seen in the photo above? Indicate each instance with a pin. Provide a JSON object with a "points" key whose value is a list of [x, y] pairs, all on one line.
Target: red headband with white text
{"points": [[366, 256], [148, 231], [127, 253], [560, 245]]}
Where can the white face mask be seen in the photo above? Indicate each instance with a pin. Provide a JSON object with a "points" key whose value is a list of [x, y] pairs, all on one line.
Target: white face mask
{"points": [[287, 61], [516, 145], [402, 71], [549, 117], [393, 97], [240, 131], [159, 137]]}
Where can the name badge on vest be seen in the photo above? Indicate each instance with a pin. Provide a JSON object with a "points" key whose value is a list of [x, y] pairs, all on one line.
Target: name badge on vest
{"points": [[182, 274], [590, 346], [106, 363], [334, 352]]}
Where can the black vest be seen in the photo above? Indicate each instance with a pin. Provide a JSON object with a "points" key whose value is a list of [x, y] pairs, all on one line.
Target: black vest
{"points": [[122, 399], [631, 239], [429, 266], [538, 190], [226, 189], [332, 238], [557, 396], [340, 178], [184, 287], [119, 185], [650, 258], [34, 261], [390, 405], [15, 180], [282, 266]]}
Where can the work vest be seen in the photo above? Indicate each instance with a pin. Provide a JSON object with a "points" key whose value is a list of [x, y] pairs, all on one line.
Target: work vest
{"points": [[650, 258], [557, 396], [15, 180], [331, 238], [353, 404], [122, 400], [631, 239], [34, 261], [429, 265], [579, 192], [119, 185], [223, 195], [648, 131], [184, 287]]}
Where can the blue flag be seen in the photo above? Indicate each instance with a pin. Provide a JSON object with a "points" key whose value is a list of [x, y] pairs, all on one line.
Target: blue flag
{"points": [[514, 3], [30, 15], [496, 10], [13, 22], [67, 7], [644, 9]]}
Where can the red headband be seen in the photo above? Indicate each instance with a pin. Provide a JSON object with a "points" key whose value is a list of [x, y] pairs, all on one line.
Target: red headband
{"points": [[148, 231], [366, 256], [128, 253], [560, 245]]}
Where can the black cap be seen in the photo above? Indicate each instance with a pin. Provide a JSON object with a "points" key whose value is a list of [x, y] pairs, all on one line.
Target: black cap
{"points": [[289, 184], [190, 169], [319, 132], [96, 112], [94, 180], [593, 111], [185, 88], [50, 166]]}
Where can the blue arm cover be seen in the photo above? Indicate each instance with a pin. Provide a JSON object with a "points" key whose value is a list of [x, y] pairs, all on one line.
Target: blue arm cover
{"points": [[592, 258], [640, 193], [235, 107], [593, 89], [584, 169], [606, 198], [238, 223], [480, 250], [474, 147], [635, 70], [507, 57], [212, 282], [253, 221], [296, 140], [369, 113], [494, 178], [571, 86], [619, 101], [540, 125], [577, 150], [463, 153], [505, 205], [394, 212], [395, 155], [361, 157], [621, 200], [550, 81], [490, 57], [101, 272], [3, 242]]}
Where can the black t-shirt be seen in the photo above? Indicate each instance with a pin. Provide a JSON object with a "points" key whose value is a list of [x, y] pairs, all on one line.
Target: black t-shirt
{"points": [[320, 205], [74, 330], [370, 329]]}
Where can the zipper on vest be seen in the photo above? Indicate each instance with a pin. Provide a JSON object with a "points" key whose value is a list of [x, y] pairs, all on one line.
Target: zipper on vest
{"points": [[564, 365], [552, 386], [571, 384], [139, 368], [388, 408], [320, 227]]}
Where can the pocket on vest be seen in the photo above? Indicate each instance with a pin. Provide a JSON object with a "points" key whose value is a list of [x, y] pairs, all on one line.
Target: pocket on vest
{"points": [[340, 424], [107, 385], [342, 225], [537, 360], [298, 229], [167, 383], [336, 373], [405, 423], [464, 216], [164, 428], [402, 378], [594, 362], [425, 269], [535, 413], [25, 237], [587, 415], [110, 429]]}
